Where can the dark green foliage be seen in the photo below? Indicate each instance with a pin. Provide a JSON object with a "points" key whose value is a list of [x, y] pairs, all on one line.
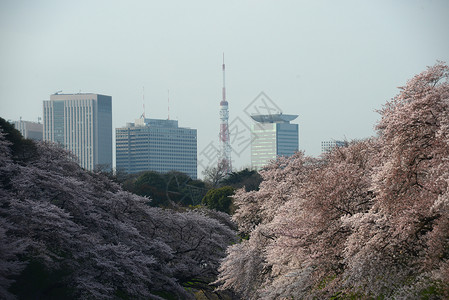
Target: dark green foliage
{"points": [[166, 295], [37, 282], [249, 179], [151, 184], [166, 190], [22, 149], [175, 188], [433, 291], [220, 199]]}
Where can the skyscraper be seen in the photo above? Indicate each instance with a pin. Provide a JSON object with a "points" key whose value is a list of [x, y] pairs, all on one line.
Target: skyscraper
{"points": [[156, 145], [272, 135], [82, 123]]}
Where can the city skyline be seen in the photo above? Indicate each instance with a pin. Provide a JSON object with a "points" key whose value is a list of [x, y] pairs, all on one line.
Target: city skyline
{"points": [[333, 64]]}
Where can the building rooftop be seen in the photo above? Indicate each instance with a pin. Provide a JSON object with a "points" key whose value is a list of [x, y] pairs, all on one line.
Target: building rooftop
{"points": [[274, 118], [152, 123]]}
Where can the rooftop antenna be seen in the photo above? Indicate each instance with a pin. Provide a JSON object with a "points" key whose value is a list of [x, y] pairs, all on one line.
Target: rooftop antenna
{"points": [[143, 102], [168, 103], [224, 88]]}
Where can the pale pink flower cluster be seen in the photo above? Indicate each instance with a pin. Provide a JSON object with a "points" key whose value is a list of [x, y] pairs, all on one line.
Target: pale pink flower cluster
{"points": [[365, 221]]}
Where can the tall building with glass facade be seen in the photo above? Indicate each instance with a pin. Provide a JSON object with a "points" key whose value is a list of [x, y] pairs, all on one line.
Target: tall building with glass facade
{"points": [[272, 136], [82, 123], [156, 145]]}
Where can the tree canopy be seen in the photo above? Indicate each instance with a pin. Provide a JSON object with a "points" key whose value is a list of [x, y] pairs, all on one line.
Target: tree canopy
{"points": [[366, 221], [68, 233], [220, 199], [249, 179], [168, 190]]}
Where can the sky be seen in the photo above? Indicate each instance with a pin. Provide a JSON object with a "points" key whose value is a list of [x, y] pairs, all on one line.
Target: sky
{"points": [[332, 63]]}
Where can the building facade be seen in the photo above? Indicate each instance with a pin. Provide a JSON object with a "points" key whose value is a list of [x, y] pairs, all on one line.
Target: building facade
{"points": [[156, 145], [327, 146], [272, 136], [30, 130], [82, 123]]}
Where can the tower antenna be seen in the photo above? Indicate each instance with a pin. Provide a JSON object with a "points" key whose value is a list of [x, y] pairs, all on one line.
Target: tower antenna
{"points": [[143, 102], [168, 103], [224, 86]]}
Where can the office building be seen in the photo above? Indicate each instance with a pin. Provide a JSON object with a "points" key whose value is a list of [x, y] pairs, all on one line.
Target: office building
{"points": [[30, 130], [327, 146], [156, 145], [82, 124], [272, 136]]}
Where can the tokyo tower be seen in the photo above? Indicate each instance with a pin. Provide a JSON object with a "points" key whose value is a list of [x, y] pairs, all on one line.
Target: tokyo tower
{"points": [[224, 157]]}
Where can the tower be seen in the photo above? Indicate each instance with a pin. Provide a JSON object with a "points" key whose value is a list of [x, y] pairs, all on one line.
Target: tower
{"points": [[224, 157]]}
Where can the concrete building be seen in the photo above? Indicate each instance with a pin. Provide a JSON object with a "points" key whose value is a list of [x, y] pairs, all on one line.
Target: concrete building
{"points": [[327, 146], [82, 123], [156, 145], [30, 130], [272, 136]]}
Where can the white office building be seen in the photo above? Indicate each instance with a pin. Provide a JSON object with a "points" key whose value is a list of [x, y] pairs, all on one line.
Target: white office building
{"points": [[82, 124], [30, 130], [156, 145], [272, 136]]}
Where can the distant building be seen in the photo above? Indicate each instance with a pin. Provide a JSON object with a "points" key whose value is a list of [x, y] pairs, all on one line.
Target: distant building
{"points": [[156, 145], [82, 123], [272, 136], [327, 146], [30, 130]]}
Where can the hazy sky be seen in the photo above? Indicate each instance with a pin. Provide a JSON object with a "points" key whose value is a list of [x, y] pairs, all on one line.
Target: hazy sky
{"points": [[333, 63]]}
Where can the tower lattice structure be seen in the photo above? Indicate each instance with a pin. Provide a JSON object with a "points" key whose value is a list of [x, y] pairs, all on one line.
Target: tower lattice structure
{"points": [[224, 157]]}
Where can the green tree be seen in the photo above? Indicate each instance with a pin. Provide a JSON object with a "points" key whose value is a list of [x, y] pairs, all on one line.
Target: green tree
{"points": [[151, 184], [167, 190], [220, 199], [249, 179], [22, 149], [175, 186]]}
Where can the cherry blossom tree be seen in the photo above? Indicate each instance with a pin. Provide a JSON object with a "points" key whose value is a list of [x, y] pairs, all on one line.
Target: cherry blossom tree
{"points": [[281, 180], [90, 239], [365, 221], [307, 256], [405, 234], [246, 267], [11, 247]]}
